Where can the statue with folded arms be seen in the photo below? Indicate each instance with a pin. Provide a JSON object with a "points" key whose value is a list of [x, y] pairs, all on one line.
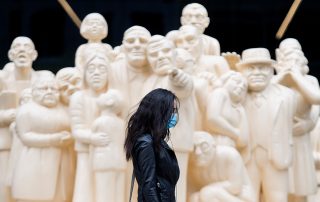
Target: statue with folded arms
{"points": [[39, 174]]}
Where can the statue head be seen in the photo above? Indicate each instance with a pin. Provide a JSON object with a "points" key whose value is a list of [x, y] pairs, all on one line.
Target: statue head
{"points": [[135, 42], [111, 102], [25, 96], [189, 39], [195, 14], [204, 148], [96, 72], [160, 53], [235, 84], [94, 27], [22, 52], [257, 67], [45, 92], [69, 81]]}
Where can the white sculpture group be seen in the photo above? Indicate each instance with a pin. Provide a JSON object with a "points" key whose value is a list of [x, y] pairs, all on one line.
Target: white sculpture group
{"points": [[243, 133]]}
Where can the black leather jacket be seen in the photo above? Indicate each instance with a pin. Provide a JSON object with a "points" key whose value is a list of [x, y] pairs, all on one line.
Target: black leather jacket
{"points": [[157, 173]]}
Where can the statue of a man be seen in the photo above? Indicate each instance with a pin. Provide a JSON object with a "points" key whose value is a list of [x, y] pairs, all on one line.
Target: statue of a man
{"points": [[270, 108]]}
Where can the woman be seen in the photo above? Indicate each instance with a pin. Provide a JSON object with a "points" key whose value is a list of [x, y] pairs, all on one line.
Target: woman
{"points": [[154, 162]]}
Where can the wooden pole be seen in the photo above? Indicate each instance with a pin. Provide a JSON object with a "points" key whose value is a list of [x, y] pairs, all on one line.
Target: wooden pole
{"points": [[288, 18], [70, 12]]}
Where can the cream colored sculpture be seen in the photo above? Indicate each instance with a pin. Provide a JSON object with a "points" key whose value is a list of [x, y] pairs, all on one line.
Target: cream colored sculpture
{"points": [[225, 116], [94, 28], [270, 108], [218, 172], [160, 53], [83, 111], [195, 14], [108, 162], [69, 81], [39, 174], [189, 38], [16, 76], [16, 146], [293, 74], [129, 73], [315, 140]]}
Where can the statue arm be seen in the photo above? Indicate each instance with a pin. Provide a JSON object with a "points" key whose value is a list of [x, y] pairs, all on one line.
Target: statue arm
{"points": [[181, 83], [221, 66], [30, 138], [217, 123], [308, 87]]}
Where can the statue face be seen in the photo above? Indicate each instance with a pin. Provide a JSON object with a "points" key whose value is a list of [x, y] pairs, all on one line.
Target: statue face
{"points": [[22, 52], [258, 76], [96, 74], [94, 27], [237, 88], [189, 39], [135, 45], [68, 86], [195, 16], [160, 56], [46, 93], [203, 152]]}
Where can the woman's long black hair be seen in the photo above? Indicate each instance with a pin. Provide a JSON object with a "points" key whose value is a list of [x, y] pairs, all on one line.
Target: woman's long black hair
{"points": [[151, 117]]}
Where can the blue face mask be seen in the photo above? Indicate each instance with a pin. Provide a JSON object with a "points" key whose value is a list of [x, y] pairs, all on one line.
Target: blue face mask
{"points": [[172, 121]]}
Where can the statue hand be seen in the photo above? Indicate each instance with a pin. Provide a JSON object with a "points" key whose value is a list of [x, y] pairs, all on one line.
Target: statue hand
{"points": [[302, 126], [232, 58], [66, 140], [179, 78]]}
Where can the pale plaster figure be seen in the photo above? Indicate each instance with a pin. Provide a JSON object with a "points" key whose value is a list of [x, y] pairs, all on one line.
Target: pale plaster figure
{"points": [[131, 71], [40, 172], [16, 76], [69, 81], [108, 162], [83, 111], [270, 109], [94, 28], [189, 38], [293, 74], [315, 140], [161, 56], [195, 14], [225, 116], [16, 147], [128, 75], [218, 172]]}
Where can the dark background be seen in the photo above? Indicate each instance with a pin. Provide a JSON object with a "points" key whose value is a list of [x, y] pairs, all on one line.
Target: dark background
{"points": [[237, 24]]}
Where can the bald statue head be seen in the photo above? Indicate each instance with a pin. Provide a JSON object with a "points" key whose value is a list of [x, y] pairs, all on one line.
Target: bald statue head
{"points": [[195, 14], [22, 52], [204, 148], [160, 53], [135, 42]]}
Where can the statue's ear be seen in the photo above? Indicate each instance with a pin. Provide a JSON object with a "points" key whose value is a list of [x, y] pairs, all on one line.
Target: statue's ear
{"points": [[183, 20], [34, 55], [207, 22], [11, 55]]}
